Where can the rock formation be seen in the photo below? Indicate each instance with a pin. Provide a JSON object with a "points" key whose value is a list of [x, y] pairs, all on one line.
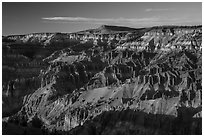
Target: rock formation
{"points": [[147, 80]]}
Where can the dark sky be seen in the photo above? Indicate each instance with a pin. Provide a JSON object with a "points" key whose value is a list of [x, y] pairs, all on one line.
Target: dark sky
{"points": [[23, 18]]}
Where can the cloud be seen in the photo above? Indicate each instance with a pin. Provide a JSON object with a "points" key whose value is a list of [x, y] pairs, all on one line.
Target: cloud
{"points": [[139, 22], [148, 10], [100, 20]]}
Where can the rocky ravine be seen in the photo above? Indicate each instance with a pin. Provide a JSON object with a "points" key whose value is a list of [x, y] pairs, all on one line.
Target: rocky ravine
{"points": [[106, 78]]}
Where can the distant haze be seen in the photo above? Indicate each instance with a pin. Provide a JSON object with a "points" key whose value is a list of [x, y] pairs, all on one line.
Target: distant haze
{"points": [[23, 18]]}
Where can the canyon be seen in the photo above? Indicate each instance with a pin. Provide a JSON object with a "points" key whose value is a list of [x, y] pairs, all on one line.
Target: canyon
{"points": [[108, 80]]}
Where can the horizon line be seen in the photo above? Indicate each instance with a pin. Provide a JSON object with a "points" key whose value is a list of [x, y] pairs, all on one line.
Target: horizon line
{"points": [[198, 25]]}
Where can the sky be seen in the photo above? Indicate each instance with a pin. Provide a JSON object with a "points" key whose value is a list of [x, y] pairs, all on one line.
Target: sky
{"points": [[24, 18]]}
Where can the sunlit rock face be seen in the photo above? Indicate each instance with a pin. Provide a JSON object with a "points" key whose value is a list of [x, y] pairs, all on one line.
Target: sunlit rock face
{"points": [[76, 81]]}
